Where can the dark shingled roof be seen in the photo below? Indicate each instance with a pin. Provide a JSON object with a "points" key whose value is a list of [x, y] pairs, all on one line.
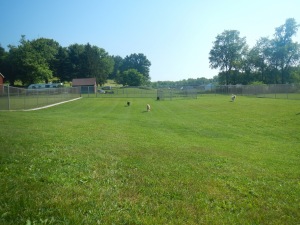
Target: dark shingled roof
{"points": [[84, 82]]}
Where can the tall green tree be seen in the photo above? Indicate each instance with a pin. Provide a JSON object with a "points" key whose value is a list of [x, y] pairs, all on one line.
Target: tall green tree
{"points": [[106, 65], [88, 61], [31, 67], [3, 55], [74, 57], [63, 68], [295, 74], [285, 52], [259, 58], [132, 77], [227, 52], [31, 61], [11, 64], [46, 51], [138, 62], [118, 61]]}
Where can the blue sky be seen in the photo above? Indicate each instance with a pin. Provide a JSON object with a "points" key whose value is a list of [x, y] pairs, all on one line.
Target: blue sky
{"points": [[175, 35]]}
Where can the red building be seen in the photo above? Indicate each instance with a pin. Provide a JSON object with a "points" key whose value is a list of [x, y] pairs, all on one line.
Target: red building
{"points": [[87, 85]]}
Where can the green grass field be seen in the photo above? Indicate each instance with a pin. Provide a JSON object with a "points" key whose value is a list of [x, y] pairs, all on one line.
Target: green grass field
{"points": [[195, 161]]}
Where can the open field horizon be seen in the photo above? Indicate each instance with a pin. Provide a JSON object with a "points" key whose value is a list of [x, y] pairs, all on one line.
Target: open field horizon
{"points": [[195, 161]]}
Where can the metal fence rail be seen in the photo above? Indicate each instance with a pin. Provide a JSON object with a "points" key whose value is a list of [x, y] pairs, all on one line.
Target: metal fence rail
{"points": [[286, 91], [143, 92], [128, 92], [12, 98]]}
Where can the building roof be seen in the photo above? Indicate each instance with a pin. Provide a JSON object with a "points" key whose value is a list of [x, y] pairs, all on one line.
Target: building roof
{"points": [[2, 75], [84, 82]]}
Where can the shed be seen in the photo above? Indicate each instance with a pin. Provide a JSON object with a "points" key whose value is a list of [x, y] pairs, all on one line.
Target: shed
{"points": [[1, 79], [87, 85]]}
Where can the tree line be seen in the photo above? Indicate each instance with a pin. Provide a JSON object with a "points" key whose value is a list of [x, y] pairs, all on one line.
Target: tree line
{"points": [[270, 61], [44, 60], [185, 82]]}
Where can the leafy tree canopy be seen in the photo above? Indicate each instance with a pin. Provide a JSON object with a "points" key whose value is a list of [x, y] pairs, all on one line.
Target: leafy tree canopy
{"points": [[138, 62], [132, 77], [227, 52], [269, 61], [41, 59]]}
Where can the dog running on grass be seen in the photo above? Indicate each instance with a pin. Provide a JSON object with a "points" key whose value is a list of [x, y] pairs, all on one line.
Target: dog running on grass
{"points": [[148, 107], [233, 97]]}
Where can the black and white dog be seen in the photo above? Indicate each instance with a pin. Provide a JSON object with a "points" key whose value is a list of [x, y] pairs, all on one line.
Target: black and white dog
{"points": [[233, 97]]}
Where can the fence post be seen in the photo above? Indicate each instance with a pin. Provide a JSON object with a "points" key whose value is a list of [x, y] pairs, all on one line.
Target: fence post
{"points": [[25, 93], [37, 97], [8, 98]]}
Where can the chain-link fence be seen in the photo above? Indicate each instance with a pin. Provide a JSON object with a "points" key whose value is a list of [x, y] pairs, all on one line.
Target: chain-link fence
{"points": [[12, 98], [127, 92], [177, 93], [144, 92], [286, 91]]}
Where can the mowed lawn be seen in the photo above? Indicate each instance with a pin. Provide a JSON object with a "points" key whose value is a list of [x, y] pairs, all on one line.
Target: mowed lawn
{"points": [[194, 161]]}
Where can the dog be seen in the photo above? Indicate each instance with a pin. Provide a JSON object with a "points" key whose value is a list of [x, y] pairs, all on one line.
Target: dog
{"points": [[128, 103], [148, 107], [233, 97]]}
